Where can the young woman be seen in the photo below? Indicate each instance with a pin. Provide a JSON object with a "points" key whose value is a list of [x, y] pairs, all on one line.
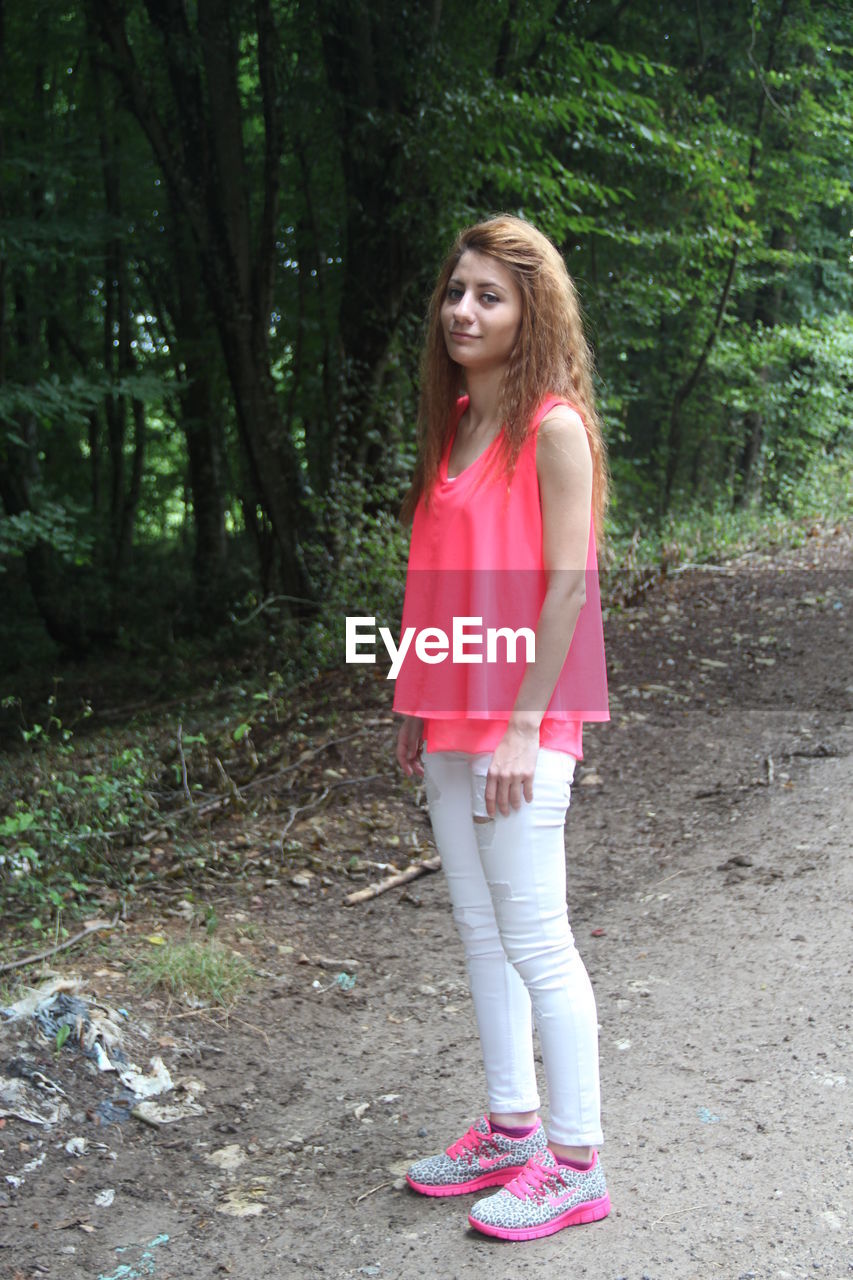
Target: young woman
{"points": [[509, 489]]}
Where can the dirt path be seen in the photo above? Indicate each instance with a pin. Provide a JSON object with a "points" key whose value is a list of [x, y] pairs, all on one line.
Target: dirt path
{"points": [[710, 875]]}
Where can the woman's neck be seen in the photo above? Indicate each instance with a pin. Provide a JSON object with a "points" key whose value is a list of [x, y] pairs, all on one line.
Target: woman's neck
{"points": [[484, 393]]}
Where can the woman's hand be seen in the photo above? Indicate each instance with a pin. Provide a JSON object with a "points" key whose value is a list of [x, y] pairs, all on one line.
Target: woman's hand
{"points": [[409, 740], [510, 776]]}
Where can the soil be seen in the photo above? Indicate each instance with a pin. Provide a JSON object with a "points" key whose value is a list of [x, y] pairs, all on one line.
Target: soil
{"points": [[710, 882]]}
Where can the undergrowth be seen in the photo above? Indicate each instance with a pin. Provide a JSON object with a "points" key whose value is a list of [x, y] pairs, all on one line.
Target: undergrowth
{"points": [[70, 807], [195, 972], [697, 533]]}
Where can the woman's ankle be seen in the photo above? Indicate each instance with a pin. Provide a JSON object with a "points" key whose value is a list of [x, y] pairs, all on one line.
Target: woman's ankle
{"points": [[577, 1157], [514, 1119]]}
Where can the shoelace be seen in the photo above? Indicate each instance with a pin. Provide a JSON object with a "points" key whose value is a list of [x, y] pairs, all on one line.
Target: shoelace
{"points": [[470, 1143], [533, 1178]]}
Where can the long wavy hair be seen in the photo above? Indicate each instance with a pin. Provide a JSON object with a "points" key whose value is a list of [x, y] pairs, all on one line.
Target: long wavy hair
{"points": [[551, 356]]}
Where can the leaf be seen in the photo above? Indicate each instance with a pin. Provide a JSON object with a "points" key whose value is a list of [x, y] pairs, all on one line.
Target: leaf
{"points": [[16, 823]]}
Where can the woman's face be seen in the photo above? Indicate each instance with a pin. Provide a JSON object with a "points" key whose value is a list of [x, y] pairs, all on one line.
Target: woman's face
{"points": [[481, 312]]}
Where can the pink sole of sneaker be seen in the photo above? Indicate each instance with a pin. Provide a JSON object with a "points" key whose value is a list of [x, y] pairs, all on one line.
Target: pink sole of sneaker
{"points": [[592, 1211], [497, 1179]]}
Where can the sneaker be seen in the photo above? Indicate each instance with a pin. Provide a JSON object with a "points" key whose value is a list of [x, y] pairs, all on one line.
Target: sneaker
{"points": [[481, 1158], [544, 1198]]}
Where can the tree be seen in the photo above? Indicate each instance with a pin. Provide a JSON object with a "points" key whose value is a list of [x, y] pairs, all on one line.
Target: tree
{"points": [[195, 126], [221, 222]]}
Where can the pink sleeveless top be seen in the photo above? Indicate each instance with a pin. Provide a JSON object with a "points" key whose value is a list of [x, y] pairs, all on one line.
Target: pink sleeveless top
{"points": [[476, 555]]}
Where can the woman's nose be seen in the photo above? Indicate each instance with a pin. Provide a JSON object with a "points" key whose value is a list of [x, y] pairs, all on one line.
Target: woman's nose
{"points": [[462, 310]]}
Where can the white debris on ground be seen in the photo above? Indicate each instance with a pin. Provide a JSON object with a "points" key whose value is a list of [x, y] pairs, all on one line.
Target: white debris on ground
{"points": [[60, 1015], [28, 1094]]}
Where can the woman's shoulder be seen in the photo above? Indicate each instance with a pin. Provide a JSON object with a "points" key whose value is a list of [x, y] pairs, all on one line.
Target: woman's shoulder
{"points": [[561, 437], [562, 424], [561, 416]]}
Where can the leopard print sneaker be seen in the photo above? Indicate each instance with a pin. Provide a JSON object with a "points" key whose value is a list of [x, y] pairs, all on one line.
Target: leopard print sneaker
{"points": [[544, 1198], [481, 1158]]}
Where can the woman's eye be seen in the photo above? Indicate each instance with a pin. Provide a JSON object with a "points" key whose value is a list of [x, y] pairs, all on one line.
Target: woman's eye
{"points": [[454, 294], [490, 297]]}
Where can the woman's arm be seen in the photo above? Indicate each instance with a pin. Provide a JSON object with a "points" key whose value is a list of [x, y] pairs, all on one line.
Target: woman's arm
{"points": [[564, 468]]}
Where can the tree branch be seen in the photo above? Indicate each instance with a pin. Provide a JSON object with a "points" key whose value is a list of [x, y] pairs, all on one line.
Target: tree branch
{"points": [[391, 882]]}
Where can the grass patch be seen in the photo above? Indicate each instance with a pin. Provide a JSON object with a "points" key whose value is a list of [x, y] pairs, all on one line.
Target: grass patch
{"points": [[196, 972]]}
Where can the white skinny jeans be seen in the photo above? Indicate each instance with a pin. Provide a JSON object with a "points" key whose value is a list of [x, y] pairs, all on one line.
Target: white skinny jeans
{"points": [[507, 881]]}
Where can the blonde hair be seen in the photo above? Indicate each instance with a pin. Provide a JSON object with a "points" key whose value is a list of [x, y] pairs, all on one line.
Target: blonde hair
{"points": [[551, 356]]}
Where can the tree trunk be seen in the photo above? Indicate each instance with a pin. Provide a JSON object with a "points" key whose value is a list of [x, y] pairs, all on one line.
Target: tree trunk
{"points": [[202, 422], [119, 362], [21, 323], [683, 392], [376, 261], [768, 306], [201, 153]]}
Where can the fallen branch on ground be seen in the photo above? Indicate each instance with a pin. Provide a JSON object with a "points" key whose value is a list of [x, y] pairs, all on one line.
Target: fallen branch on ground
{"points": [[221, 802], [312, 804], [372, 1192], [296, 810], [391, 882], [94, 926]]}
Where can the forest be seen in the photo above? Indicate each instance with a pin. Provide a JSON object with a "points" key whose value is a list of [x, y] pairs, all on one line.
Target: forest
{"points": [[220, 223]]}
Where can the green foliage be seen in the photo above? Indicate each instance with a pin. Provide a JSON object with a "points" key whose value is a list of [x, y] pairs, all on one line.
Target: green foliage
{"points": [[70, 816], [794, 377], [46, 523], [188, 415]]}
